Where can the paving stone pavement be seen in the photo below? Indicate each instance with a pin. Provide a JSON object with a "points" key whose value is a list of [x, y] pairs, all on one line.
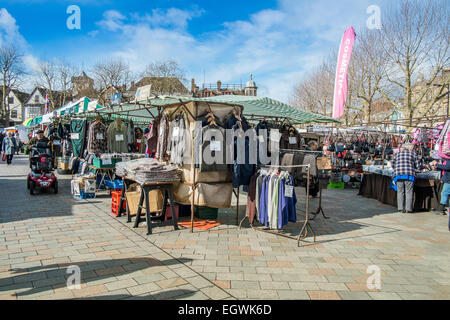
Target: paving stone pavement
{"points": [[42, 236]]}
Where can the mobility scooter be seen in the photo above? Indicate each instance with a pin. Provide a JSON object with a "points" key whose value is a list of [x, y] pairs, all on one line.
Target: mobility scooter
{"points": [[41, 164]]}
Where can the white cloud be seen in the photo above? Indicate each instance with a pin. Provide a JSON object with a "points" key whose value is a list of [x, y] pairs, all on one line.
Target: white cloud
{"points": [[112, 20], [277, 45], [9, 30], [169, 18]]}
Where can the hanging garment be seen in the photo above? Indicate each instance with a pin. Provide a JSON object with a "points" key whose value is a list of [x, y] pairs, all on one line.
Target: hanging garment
{"points": [[177, 140], [291, 201], [273, 218], [163, 134], [131, 137], [78, 134], [263, 143], [291, 140], [270, 192], [213, 144], [259, 182], [97, 138], [117, 137], [152, 140], [311, 160], [263, 200], [241, 172]]}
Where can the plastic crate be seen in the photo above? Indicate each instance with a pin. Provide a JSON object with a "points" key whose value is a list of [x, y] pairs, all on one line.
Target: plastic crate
{"points": [[336, 185], [99, 162], [84, 195], [168, 215], [114, 184], [115, 210], [206, 212], [98, 179], [115, 197]]}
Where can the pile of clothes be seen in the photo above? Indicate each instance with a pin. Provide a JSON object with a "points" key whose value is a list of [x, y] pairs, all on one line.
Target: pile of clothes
{"points": [[147, 170]]}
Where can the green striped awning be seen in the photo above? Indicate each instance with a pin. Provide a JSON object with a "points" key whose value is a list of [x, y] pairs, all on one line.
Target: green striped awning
{"points": [[253, 106]]}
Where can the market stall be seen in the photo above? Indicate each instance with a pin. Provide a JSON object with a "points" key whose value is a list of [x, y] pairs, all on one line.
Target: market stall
{"points": [[178, 132], [376, 182]]}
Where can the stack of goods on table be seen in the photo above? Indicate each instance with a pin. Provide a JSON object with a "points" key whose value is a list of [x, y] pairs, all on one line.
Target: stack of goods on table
{"points": [[389, 171], [147, 170]]}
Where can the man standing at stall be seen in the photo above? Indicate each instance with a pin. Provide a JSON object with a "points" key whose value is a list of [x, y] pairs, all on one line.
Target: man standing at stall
{"points": [[406, 163]]}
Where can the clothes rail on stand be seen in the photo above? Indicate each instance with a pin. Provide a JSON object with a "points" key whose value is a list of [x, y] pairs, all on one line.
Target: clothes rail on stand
{"points": [[304, 231], [319, 209]]}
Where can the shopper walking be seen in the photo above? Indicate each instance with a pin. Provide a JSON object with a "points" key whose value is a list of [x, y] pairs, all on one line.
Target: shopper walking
{"points": [[9, 147], [406, 163]]}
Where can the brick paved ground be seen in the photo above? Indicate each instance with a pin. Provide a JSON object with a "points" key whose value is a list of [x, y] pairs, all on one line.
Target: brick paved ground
{"points": [[42, 235]]}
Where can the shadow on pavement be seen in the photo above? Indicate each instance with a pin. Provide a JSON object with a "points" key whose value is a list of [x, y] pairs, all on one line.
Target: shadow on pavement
{"points": [[43, 278]]}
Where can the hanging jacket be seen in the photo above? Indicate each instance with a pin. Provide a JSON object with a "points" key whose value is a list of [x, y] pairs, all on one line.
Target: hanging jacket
{"points": [[177, 140], [117, 137], [163, 134], [77, 136], [213, 144], [97, 138]]}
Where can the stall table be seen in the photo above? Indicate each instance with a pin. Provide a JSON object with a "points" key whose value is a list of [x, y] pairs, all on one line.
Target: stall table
{"points": [[166, 187], [104, 172], [427, 193]]}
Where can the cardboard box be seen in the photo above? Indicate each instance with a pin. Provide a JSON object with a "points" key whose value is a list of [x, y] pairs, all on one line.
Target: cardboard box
{"points": [[64, 165], [156, 200]]}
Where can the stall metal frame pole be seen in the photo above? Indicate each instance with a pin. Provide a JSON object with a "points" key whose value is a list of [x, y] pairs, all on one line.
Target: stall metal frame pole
{"points": [[304, 231]]}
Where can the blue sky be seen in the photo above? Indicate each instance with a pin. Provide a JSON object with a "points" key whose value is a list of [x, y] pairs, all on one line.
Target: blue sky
{"points": [[278, 41]]}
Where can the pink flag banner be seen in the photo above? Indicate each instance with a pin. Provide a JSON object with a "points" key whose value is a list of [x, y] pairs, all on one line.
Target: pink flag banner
{"points": [[341, 82]]}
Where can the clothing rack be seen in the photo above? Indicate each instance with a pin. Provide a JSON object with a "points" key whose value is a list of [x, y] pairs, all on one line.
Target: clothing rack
{"points": [[319, 209], [304, 231]]}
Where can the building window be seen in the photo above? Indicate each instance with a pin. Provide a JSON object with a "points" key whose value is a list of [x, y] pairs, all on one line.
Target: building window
{"points": [[36, 99], [10, 100], [13, 113]]}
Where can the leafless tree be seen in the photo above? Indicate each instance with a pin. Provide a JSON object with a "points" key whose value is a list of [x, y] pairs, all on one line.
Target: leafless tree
{"points": [[65, 73], [113, 75], [366, 71], [315, 92], [11, 71], [47, 76], [166, 72], [415, 40]]}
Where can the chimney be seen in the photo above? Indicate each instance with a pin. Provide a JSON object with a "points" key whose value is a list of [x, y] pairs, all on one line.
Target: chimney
{"points": [[132, 84], [219, 84]]}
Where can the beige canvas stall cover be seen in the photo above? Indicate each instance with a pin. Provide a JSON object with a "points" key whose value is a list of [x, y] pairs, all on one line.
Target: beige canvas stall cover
{"points": [[220, 111], [213, 176], [216, 195]]}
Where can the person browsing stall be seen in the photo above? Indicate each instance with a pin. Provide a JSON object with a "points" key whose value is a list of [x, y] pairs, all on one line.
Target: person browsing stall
{"points": [[405, 164]]}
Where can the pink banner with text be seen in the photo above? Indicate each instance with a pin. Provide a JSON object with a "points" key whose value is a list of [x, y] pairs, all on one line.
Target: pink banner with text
{"points": [[341, 82]]}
